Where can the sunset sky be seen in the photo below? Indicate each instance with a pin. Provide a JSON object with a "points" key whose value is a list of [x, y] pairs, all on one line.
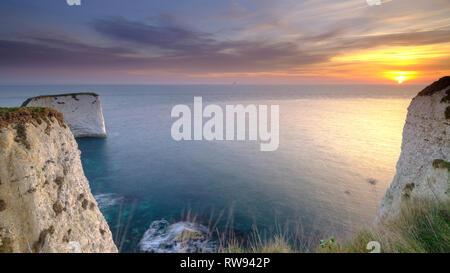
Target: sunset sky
{"points": [[206, 41]]}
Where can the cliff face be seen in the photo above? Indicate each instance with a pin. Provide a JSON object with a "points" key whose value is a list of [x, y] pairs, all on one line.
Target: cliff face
{"points": [[423, 169], [82, 112], [45, 200]]}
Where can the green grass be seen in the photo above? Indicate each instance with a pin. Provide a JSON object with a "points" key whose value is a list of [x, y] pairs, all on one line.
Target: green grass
{"points": [[440, 163], [422, 226]]}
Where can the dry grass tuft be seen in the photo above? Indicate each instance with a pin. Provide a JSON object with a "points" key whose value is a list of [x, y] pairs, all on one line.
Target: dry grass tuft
{"points": [[422, 226]]}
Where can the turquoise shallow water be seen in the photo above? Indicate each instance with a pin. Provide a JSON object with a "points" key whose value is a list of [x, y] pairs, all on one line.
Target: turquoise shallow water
{"points": [[333, 139]]}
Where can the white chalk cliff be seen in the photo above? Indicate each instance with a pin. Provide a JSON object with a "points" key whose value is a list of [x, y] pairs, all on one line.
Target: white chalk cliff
{"points": [[46, 203], [423, 168], [82, 112]]}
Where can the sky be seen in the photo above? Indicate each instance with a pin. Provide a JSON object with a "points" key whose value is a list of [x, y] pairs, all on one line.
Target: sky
{"points": [[214, 41]]}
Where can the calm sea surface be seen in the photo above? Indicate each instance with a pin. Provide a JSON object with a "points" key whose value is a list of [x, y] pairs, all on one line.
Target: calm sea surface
{"points": [[333, 141]]}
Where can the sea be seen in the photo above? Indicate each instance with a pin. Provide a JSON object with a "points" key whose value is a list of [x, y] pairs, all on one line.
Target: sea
{"points": [[338, 146]]}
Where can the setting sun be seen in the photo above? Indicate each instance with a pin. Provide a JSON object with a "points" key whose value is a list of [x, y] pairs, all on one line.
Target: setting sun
{"points": [[401, 76], [400, 79]]}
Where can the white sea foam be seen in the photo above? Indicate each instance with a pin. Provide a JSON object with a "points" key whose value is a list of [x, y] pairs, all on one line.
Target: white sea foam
{"points": [[105, 200], [162, 237]]}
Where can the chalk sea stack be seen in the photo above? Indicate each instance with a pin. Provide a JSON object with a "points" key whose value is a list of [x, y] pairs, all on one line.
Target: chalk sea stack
{"points": [[46, 203], [423, 167], [82, 111]]}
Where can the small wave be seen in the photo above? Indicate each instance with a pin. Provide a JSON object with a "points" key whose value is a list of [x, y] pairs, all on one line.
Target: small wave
{"points": [[181, 237], [105, 200]]}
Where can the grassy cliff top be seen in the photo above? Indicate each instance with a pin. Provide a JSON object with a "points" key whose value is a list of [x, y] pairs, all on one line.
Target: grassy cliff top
{"points": [[73, 95], [435, 87], [23, 115]]}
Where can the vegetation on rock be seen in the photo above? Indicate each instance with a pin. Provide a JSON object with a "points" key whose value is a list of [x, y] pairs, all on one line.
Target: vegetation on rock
{"points": [[23, 115], [73, 95], [422, 226], [435, 87], [20, 116], [440, 163]]}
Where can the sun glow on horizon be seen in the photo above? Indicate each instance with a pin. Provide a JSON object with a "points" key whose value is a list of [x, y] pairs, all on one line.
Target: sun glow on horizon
{"points": [[400, 79], [390, 62], [401, 76]]}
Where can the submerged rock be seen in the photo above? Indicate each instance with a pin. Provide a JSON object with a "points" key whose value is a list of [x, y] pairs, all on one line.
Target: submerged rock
{"points": [[46, 202], [82, 112], [105, 200], [184, 237], [423, 168]]}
